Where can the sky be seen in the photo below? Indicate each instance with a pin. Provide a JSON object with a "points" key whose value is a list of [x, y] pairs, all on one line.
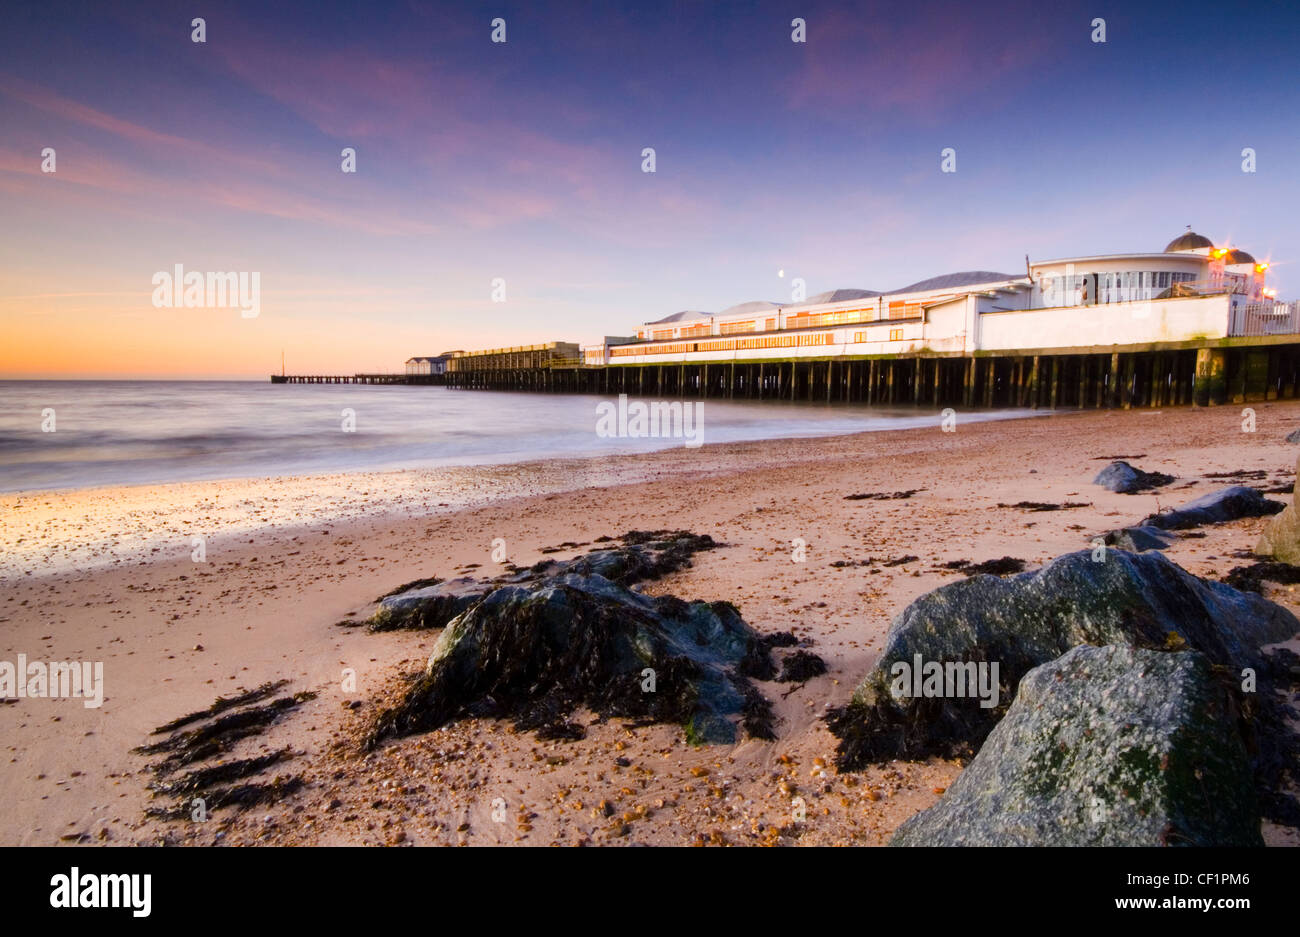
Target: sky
{"points": [[481, 162]]}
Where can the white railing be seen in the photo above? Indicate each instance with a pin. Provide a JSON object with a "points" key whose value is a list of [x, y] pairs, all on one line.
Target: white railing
{"points": [[1258, 319]]}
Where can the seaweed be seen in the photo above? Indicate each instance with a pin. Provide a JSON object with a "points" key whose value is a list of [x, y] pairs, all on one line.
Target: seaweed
{"points": [[900, 560], [883, 495], [241, 795], [800, 667], [222, 704], [221, 729], [1251, 578], [203, 778], [1005, 566]]}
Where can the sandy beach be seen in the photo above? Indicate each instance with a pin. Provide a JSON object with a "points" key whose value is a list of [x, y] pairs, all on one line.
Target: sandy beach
{"points": [[107, 574]]}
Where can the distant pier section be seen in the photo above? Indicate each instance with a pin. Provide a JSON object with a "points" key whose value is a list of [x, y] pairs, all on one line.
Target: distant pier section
{"points": [[344, 379]]}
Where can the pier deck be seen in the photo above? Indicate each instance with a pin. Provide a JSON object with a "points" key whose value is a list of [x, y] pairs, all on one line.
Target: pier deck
{"points": [[1205, 373]]}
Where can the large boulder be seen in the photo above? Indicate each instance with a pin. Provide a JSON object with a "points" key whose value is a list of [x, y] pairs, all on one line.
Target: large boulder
{"points": [[1105, 746], [1126, 480], [1142, 599], [534, 653], [1226, 504], [1281, 536]]}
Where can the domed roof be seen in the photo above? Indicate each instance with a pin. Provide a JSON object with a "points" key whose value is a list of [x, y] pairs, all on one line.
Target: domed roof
{"points": [[685, 315], [955, 280], [1188, 242], [841, 295], [757, 305], [1235, 256]]}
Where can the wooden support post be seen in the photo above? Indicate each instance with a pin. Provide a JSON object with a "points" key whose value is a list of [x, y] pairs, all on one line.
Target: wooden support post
{"points": [[760, 380], [1126, 382], [1056, 382], [1034, 384]]}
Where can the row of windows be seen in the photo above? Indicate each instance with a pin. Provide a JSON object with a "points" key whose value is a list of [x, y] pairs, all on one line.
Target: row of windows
{"points": [[731, 328], [746, 344], [1126, 279], [804, 320], [732, 344]]}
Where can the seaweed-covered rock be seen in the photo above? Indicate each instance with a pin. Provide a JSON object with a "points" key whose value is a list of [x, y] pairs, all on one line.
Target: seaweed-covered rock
{"points": [[1028, 620], [1281, 536], [1105, 746], [1138, 539], [1124, 479], [643, 556], [1226, 504], [535, 652], [428, 606]]}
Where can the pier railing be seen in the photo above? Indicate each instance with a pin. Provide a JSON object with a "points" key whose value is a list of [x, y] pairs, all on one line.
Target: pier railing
{"points": [[1254, 320]]}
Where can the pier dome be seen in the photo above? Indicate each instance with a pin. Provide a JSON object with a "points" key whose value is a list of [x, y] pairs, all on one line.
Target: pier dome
{"points": [[1235, 256], [1190, 241]]}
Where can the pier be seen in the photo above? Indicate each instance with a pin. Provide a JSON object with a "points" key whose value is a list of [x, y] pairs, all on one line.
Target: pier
{"points": [[1193, 324], [346, 379], [1157, 376]]}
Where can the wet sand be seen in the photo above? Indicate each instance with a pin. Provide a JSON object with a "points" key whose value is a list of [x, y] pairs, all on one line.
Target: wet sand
{"points": [[107, 574]]}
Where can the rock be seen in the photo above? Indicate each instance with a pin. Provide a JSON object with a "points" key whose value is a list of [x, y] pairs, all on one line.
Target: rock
{"points": [[644, 555], [1105, 746], [1021, 622], [1138, 539], [1293, 436], [430, 606], [1227, 504], [535, 652], [1281, 537], [1126, 480]]}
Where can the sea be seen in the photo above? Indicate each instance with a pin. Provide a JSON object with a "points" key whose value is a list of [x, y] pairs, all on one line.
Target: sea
{"points": [[79, 434]]}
